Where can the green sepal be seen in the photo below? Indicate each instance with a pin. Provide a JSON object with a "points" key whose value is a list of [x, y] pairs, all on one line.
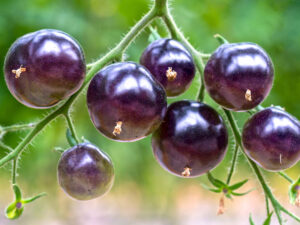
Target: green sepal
{"points": [[241, 194], [238, 185], [12, 212], [211, 189], [59, 150], [83, 139], [154, 35], [71, 140], [294, 191], [28, 200], [16, 208], [268, 220], [217, 183], [221, 39]]}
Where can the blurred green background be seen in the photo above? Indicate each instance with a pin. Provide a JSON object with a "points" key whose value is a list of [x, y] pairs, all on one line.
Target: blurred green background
{"points": [[143, 192]]}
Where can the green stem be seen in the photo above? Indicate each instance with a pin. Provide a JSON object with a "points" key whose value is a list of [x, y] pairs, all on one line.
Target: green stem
{"points": [[94, 67], [267, 205], [285, 176], [233, 163], [14, 170], [71, 127], [176, 34]]}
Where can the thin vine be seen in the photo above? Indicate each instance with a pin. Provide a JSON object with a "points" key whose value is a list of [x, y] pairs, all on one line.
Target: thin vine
{"points": [[161, 10]]}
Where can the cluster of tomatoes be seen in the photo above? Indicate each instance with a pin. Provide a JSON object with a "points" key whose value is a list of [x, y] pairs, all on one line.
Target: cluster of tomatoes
{"points": [[128, 101]]}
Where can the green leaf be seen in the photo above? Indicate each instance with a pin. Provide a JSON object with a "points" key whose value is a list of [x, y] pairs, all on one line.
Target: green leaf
{"points": [[238, 185], [251, 220], [18, 194], [294, 192], [217, 183], [268, 220], [71, 140], [211, 189], [13, 212], [28, 200], [154, 35]]}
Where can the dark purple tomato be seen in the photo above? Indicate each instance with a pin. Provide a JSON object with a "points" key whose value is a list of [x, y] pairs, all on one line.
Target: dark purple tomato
{"points": [[192, 139], [239, 76], [84, 172], [171, 64], [125, 102], [271, 138], [44, 67]]}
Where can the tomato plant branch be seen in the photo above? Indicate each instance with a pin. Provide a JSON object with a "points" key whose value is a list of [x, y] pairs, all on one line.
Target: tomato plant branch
{"points": [[276, 205], [93, 69]]}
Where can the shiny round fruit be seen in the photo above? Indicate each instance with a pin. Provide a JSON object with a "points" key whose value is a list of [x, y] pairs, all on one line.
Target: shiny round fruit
{"points": [[84, 172], [239, 76], [192, 139], [44, 67], [125, 102], [271, 138], [171, 64]]}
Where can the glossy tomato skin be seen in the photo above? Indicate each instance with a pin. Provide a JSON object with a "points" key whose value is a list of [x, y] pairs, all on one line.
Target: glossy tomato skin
{"points": [[126, 92], [193, 135], [271, 138], [167, 53], [53, 64], [85, 172], [239, 76]]}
